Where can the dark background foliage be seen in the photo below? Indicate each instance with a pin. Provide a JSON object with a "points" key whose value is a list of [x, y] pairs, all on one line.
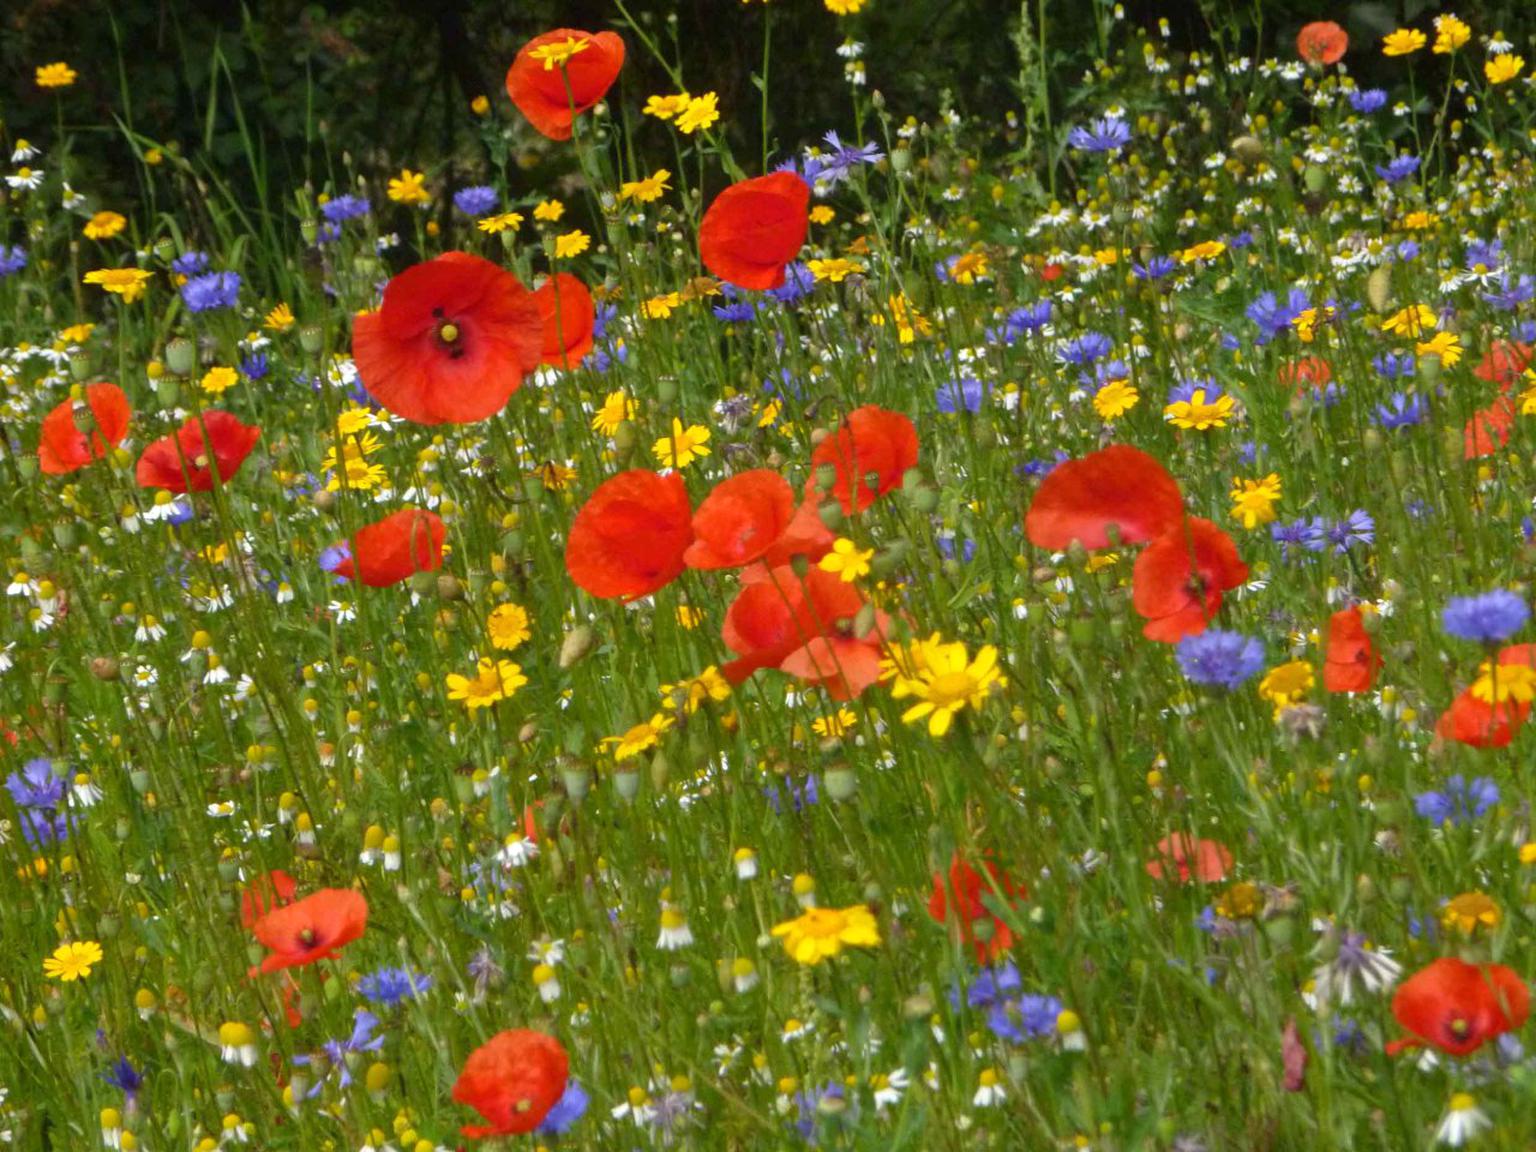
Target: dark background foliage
{"points": [[388, 81]]}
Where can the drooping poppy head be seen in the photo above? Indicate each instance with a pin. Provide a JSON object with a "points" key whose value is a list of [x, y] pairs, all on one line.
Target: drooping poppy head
{"points": [[631, 536], [1182, 858], [513, 1080], [1488, 430], [452, 341], [394, 548], [962, 894], [1178, 580], [265, 893], [68, 443], [741, 520], [754, 228], [1322, 42], [870, 453], [1457, 1007], [1118, 485], [568, 315], [557, 76], [186, 462], [1351, 661], [311, 929]]}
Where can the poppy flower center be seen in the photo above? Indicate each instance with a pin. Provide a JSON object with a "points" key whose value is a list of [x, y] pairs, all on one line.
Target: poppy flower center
{"points": [[306, 936], [449, 334], [201, 461]]}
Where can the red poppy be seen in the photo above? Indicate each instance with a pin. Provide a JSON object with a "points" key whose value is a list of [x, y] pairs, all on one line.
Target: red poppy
{"points": [[64, 446], [1351, 661], [1308, 370], [1457, 1007], [311, 929], [513, 1080], [1178, 580], [264, 894], [1181, 858], [963, 892], [452, 341], [870, 454], [754, 228], [1118, 485], [1503, 363], [185, 463], [630, 537], [395, 548], [741, 520], [1489, 429], [553, 96], [802, 625], [806, 535], [1052, 272], [1481, 724], [566, 309], [1322, 42]]}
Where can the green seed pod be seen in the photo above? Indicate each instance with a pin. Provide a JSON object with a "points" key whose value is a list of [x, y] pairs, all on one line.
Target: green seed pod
{"points": [[831, 514], [626, 436], [924, 500], [577, 781], [901, 159], [181, 357], [661, 771], [312, 339], [626, 782], [1315, 177], [80, 367], [666, 389], [166, 391], [842, 783]]}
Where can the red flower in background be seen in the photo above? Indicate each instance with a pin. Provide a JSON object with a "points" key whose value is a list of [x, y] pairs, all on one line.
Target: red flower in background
{"points": [[395, 548], [962, 894], [568, 315], [186, 463], [1482, 723], [1118, 485], [1503, 363], [264, 894], [1457, 1007], [754, 228], [741, 520], [1322, 42], [802, 626], [1351, 661], [870, 453], [452, 341], [65, 447], [1178, 580], [552, 96], [631, 536], [311, 929], [1308, 370], [1181, 858], [1489, 429], [513, 1080]]}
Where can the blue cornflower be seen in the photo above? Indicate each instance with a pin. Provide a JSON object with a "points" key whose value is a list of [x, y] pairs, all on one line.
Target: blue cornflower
{"points": [[1085, 349], [1107, 134], [211, 291], [801, 795], [1356, 528], [1459, 802], [964, 394], [389, 986], [1011, 1014], [1307, 534], [1184, 391], [1398, 168], [819, 1110], [844, 158], [38, 792], [798, 284], [1394, 365], [477, 200], [1155, 268], [1484, 255], [1219, 658], [1525, 331], [1408, 250], [190, 263], [1368, 100], [336, 1052], [343, 208], [1273, 318], [335, 556], [1402, 410], [736, 311], [12, 259], [571, 1107], [1511, 292], [254, 367], [1488, 618], [125, 1078], [1038, 469], [946, 543], [1021, 322]]}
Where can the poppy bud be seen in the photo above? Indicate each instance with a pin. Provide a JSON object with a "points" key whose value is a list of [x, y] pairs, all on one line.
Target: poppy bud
{"points": [[309, 229], [1365, 889], [864, 621], [831, 514], [104, 668], [181, 356], [924, 500], [139, 778], [312, 339], [1378, 289], [577, 643], [1428, 371], [901, 159], [666, 389], [842, 783], [626, 782], [527, 733], [1315, 178], [1281, 930], [80, 367], [626, 436], [661, 771], [577, 781], [1248, 149], [449, 588], [27, 466]]}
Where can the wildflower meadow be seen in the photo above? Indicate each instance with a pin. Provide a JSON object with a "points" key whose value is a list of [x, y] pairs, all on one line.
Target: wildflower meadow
{"points": [[1003, 631]]}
